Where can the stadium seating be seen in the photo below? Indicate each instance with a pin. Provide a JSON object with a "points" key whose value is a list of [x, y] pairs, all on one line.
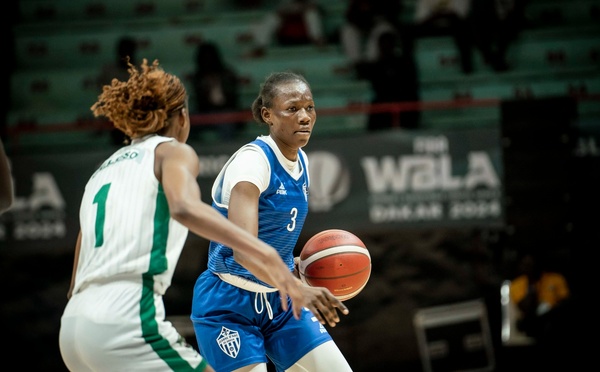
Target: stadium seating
{"points": [[61, 45]]}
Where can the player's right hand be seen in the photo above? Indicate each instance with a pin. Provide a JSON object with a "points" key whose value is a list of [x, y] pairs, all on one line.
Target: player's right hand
{"points": [[289, 286]]}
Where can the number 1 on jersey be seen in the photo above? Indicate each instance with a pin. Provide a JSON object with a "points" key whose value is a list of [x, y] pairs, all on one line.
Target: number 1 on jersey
{"points": [[100, 200]]}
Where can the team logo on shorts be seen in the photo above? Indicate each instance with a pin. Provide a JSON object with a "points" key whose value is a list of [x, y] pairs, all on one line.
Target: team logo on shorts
{"points": [[229, 342]]}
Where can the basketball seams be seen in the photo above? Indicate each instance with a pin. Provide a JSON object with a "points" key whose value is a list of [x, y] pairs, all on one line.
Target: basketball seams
{"points": [[334, 250], [366, 268], [348, 295], [336, 236]]}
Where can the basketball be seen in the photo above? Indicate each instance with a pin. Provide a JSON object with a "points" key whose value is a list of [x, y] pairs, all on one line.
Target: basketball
{"points": [[338, 260]]}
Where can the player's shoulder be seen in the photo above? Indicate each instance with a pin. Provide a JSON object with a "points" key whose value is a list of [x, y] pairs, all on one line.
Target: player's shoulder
{"points": [[170, 146]]}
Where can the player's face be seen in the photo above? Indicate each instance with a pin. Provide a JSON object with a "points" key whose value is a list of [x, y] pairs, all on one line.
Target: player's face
{"points": [[292, 117]]}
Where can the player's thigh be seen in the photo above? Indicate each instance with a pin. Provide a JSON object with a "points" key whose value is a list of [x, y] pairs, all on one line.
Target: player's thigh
{"points": [[325, 357]]}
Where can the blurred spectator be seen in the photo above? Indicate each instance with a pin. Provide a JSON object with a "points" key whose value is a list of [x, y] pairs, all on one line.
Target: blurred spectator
{"points": [[216, 89], [447, 17], [125, 51], [293, 22], [495, 24], [537, 292], [365, 21], [393, 78], [126, 48]]}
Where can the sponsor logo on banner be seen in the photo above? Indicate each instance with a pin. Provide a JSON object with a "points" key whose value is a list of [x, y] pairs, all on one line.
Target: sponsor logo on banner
{"points": [[39, 216], [424, 186], [329, 181]]}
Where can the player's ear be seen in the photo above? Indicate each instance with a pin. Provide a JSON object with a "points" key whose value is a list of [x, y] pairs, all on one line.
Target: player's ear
{"points": [[266, 115], [183, 116]]}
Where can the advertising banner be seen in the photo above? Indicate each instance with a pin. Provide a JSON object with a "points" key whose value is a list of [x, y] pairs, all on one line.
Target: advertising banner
{"points": [[377, 182], [406, 179]]}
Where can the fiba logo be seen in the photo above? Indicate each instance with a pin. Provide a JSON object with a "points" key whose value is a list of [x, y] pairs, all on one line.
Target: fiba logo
{"points": [[329, 181]]}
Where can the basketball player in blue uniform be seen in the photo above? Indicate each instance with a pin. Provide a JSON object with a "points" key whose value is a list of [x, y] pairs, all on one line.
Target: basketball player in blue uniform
{"points": [[135, 214], [263, 187]]}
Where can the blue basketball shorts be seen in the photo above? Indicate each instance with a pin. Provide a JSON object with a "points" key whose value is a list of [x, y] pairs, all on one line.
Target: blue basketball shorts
{"points": [[234, 328]]}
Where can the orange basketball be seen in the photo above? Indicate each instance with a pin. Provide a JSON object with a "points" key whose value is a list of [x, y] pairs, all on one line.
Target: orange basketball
{"points": [[338, 260]]}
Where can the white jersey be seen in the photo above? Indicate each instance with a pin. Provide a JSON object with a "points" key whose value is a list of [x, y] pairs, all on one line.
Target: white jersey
{"points": [[126, 227], [115, 320]]}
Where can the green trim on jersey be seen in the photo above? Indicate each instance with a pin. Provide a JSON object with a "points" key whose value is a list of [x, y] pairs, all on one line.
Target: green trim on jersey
{"points": [[158, 264], [162, 217], [151, 334]]}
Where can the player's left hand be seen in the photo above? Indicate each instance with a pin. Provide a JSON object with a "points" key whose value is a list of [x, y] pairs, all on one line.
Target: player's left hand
{"points": [[324, 305]]}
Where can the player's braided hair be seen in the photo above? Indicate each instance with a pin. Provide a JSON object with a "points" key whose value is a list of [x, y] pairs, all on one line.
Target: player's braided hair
{"points": [[269, 90], [142, 104]]}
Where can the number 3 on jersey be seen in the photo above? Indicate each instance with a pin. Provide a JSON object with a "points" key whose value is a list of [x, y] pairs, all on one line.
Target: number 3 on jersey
{"points": [[292, 225]]}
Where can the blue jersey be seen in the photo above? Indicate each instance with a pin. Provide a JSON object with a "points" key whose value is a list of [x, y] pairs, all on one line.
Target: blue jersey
{"points": [[282, 210], [238, 319]]}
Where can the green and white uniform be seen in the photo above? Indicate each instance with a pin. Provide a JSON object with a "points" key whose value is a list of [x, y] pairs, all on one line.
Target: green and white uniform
{"points": [[130, 245]]}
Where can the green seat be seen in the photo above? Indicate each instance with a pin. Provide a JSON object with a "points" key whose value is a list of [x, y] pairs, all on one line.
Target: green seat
{"points": [[64, 89], [548, 13], [60, 11]]}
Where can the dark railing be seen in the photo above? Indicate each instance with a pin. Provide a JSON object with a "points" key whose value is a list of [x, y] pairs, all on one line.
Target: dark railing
{"points": [[96, 125]]}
